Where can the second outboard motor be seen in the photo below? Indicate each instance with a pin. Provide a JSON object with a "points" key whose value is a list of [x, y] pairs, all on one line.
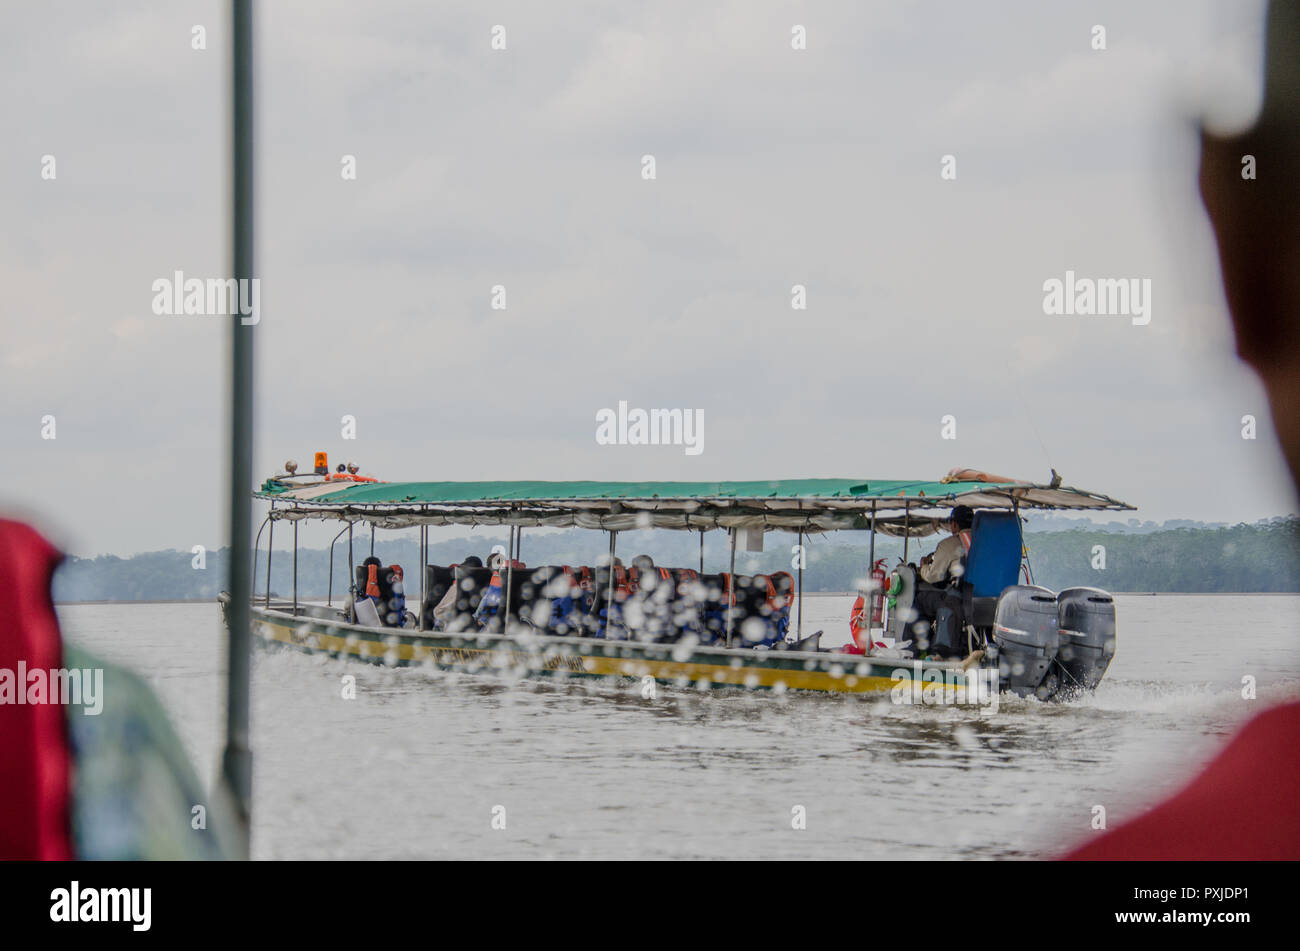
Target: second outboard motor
{"points": [[1087, 625], [1026, 630]]}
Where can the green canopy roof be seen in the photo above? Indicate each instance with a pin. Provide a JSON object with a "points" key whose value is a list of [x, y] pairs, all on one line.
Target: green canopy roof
{"points": [[897, 505]]}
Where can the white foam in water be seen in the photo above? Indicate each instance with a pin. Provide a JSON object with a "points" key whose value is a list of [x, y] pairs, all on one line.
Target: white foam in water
{"points": [[414, 766]]}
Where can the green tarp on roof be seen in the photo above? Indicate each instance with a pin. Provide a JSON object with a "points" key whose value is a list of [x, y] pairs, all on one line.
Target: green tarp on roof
{"points": [[370, 493], [791, 504]]}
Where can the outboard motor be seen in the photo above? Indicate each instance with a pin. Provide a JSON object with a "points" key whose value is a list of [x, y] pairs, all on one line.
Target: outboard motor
{"points": [[1087, 628], [1026, 630]]}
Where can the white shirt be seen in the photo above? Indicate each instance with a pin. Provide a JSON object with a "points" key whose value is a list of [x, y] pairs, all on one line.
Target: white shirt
{"points": [[950, 551]]}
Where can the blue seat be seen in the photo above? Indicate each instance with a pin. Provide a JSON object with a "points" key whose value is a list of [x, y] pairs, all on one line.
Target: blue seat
{"points": [[993, 562]]}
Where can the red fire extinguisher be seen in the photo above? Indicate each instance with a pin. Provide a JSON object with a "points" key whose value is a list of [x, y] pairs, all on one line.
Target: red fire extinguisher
{"points": [[857, 627], [878, 596]]}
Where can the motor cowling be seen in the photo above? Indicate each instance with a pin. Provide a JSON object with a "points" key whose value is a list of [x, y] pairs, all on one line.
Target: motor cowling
{"points": [[1087, 630], [1026, 630]]}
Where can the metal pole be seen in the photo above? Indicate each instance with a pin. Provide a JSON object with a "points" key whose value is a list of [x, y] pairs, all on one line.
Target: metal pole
{"points": [[295, 567], [237, 758], [871, 573], [330, 594], [871, 556], [352, 578], [799, 627], [252, 581], [1020, 529], [270, 540], [609, 596], [510, 573], [424, 548], [906, 533], [702, 551], [731, 584], [372, 539]]}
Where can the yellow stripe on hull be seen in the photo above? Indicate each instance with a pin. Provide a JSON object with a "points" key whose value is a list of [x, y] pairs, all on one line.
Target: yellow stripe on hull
{"points": [[397, 651]]}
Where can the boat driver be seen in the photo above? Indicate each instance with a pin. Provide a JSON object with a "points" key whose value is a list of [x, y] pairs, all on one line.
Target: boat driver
{"points": [[937, 570], [945, 561]]}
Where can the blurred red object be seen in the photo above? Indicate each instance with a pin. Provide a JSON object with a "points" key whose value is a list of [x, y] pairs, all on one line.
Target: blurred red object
{"points": [[35, 761], [1242, 806]]}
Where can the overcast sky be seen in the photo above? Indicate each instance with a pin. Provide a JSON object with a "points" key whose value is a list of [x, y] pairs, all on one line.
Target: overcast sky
{"points": [[523, 168]]}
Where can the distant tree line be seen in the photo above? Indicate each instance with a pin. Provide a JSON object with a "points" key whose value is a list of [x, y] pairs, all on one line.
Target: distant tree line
{"points": [[1263, 557]]}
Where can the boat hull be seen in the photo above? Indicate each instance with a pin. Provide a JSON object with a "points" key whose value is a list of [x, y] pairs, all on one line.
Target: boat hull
{"points": [[547, 655]]}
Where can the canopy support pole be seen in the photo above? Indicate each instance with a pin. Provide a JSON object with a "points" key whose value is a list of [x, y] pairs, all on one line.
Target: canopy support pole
{"points": [[702, 551], [1020, 529], [295, 567], [270, 541], [424, 570], [731, 584], [609, 594], [798, 636], [869, 607], [372, 539], [352, 580], [252, 588], [510, 573], [329, 594], [907, 534], [424, 557]]}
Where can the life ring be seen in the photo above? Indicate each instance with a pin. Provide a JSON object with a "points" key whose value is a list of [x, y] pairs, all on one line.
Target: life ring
{"points": [[856, 615], [856, 627]]}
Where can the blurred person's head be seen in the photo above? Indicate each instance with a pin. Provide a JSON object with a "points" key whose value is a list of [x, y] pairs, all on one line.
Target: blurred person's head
{"points": [[1257, 225]]}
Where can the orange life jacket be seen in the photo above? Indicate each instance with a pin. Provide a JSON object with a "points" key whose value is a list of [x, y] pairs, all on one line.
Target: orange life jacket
{"points": [[634, 583], [622, 587], [496, 574], [688, 577], [773, 595], [372, 581]]}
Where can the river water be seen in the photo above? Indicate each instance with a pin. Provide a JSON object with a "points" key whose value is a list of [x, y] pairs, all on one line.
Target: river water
{"points": [[421, 762]]}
